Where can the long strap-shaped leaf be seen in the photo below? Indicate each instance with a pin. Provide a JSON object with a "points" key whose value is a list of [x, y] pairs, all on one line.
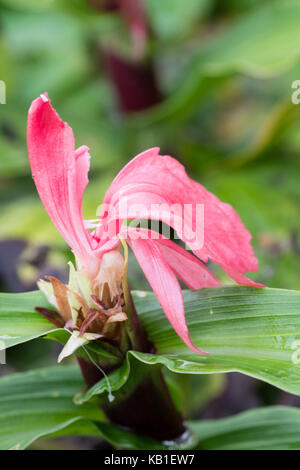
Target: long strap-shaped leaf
{"points": [[274, 427], [253, 331], [19, 322], [39, 404], [270, 428]]}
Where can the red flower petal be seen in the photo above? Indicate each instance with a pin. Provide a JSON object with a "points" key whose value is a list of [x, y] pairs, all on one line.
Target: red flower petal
{"points": [[240, 279], [59, 172], [151, 179], [186, 266], [164, 285]]}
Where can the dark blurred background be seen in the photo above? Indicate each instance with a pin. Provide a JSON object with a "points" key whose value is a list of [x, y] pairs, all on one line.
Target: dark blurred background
{"points": [[208, 81]]}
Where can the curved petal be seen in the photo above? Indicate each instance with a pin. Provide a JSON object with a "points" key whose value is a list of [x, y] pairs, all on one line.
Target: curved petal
{"points": [[82, 166], [157, 187], [186, 266], [60, 173], [164, 285]]}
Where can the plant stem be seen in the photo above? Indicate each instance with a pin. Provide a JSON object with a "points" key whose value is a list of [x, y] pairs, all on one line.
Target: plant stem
{"points": [[135, 330], [148, 409]]}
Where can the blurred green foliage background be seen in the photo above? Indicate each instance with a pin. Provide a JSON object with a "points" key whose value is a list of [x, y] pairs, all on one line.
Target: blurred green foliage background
{"points": [[211, 87]]}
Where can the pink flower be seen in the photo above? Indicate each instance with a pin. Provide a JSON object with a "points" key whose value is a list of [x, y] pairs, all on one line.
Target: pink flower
{"points": [[149, 187]]}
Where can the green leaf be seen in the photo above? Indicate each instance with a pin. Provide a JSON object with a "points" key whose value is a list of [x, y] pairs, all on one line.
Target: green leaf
{"points": [[244, 329], [117, 379], [191, 392], [19, 322], [253, 331], [248, 330], [270, 428], [174, 18], [262, 43], [38, 403]]}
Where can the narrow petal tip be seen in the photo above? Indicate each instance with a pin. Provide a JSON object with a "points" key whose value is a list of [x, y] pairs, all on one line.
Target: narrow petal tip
{"points": [[45, 97], [194, 348], [39, 102]]}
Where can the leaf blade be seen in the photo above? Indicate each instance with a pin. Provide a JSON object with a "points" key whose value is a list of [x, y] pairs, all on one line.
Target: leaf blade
{"points": [[269, 428], [253, 331], [19, 322], [35, 404]]}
